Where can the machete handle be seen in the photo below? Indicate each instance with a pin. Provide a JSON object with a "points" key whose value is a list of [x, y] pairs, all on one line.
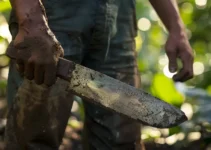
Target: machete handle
{"points": [[64, 66]]}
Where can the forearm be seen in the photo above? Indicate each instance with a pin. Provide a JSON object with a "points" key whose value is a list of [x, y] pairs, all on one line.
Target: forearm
{"points": [[168, 12], [30, 13]]}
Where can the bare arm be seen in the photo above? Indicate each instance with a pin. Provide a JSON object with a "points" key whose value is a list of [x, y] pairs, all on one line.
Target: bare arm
{"points": [[177, 45], [30, 13], [168, 12]]}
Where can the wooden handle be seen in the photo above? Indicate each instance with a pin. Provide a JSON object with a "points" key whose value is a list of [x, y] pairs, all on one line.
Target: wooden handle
{"points": [[64, 67]]}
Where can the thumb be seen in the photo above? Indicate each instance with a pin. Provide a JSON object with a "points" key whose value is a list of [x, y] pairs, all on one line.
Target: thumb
{"points": [[171, 51], [11, 51]]}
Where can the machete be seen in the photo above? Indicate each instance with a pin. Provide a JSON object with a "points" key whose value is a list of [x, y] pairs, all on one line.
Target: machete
{"points": [[116, 96]]}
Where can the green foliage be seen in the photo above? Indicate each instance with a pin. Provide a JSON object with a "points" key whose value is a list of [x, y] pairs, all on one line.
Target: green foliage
{"points": [[3, 84], [167, 91], [152, 61], [5, 8], [5, 5], [174, 130], [4, 61]]}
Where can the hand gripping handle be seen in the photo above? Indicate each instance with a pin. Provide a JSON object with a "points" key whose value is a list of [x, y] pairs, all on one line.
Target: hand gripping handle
{"points": [[64, 66]]}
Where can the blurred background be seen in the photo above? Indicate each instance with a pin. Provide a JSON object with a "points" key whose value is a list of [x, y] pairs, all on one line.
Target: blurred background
{"points": [[193, 97]]}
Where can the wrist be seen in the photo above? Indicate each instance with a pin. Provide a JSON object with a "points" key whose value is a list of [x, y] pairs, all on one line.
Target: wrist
{"points": [[177, 28], [32, 17], [33, 24]]}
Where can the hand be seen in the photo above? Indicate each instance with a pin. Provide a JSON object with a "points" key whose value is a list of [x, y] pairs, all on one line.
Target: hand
{"points": [[38, 52], [178, 46]]}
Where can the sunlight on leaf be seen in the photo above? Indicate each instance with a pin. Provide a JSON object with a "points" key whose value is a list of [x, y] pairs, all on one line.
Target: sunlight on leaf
{"points": [[164, 88], [4, 5], [138, 42]]}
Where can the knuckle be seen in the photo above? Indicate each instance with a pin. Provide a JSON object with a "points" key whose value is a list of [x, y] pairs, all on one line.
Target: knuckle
{"points": [[170, 53], [169, 49], [31, 61], [189, 56], [29, 77], [19, 54], [38, 82]]}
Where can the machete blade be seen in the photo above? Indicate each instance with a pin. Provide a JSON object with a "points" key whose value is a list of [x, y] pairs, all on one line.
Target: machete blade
{"points": [[122, 98]]}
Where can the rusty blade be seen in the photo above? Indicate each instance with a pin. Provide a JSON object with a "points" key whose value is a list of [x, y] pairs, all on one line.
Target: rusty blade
{"points": [[117, 96]]}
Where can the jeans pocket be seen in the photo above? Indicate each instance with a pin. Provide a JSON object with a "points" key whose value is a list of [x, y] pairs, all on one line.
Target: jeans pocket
{"points": [[60, 9], [105, 26]]}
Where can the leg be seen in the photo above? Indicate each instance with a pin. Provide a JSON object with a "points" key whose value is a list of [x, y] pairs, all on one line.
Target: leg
{"points": [[38, 120], [105, 130], [38, 116], [35, 122]]}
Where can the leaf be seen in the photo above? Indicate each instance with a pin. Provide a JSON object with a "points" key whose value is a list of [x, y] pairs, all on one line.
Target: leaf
{"points": [[2, 39], [174, 130], [163, 88], [4, 5]]}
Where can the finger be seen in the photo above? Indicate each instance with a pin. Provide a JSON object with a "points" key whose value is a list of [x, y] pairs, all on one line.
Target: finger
{"points": [[23, 52], [171, 52], [187, 61], [21, 45], [20, 62], [29, 70], [186, 76], [179, 77], [186, 72], [172, 63], [50, 75], [39, 74], [20, 66], [23, 55], [189, 69], [11, 45], [22, 59]]}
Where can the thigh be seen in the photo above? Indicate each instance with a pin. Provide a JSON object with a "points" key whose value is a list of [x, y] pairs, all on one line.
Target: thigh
{"points": [[106, 130]]}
